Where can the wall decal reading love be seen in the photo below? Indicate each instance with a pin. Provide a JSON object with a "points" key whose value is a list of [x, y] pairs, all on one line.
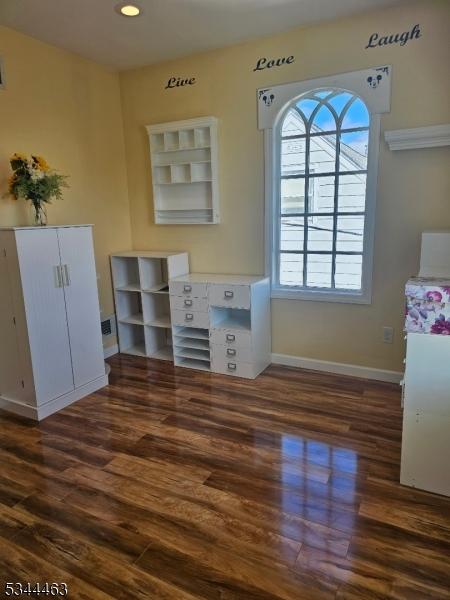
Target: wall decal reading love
{"points": [[376, 41], [175, 82], [264, 63]]}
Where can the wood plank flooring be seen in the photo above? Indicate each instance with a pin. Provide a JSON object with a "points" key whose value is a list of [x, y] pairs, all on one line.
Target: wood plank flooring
{"points": [[178, 485]]}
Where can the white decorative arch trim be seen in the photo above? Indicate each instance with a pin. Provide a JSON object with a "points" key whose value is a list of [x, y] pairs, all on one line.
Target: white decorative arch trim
{"points": [[372, 85]]}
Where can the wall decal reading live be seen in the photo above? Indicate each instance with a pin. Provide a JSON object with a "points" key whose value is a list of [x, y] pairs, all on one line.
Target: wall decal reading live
{"points": [[264, 63], [175, 82], [394, 38]]}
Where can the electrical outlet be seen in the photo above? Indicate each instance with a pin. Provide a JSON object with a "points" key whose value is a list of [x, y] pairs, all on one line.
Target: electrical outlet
{"points": [[388, 335]]}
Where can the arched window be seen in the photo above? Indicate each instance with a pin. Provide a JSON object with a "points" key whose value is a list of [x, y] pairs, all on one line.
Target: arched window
{"points": [[324, 222]]}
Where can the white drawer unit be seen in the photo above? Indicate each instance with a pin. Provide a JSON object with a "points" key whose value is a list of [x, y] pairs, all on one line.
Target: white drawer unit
{"points": [[237, 368], [235, 296], [190, 318], [232, 353], [221, 323], [192, 304], [188, 289], [231, 339]]}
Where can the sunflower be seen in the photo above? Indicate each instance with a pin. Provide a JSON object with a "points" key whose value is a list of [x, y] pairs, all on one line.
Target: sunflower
{"points": [[41, 163]]}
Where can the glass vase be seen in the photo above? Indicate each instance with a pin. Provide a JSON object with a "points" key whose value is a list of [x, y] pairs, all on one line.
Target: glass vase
{"points": [[38, 214]]}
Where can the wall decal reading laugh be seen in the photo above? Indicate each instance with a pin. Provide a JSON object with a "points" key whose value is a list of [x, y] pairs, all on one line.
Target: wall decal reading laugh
{"points": [[394, 38]]}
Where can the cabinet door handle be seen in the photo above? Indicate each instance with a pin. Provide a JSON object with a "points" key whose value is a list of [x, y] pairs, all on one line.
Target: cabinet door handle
{"points": [[231, 352], [189, 317], [229, 294], [187, 289], [230, 337], [232, 366], [66, 275], [188, 302], [58, 277]]}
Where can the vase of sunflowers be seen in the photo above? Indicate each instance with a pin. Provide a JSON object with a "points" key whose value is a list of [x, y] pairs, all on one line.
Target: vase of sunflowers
{"points": [[34, 180]]}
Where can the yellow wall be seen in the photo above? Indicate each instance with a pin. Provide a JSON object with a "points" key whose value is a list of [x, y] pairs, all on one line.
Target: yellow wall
{"points": [[413, 192], [67, 109]]}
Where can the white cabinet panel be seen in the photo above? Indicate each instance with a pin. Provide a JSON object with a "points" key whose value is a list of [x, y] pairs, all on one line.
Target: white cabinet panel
{"points": [[83, 311], [426, 452], [10, 382], [427, 374], [38, 253]]}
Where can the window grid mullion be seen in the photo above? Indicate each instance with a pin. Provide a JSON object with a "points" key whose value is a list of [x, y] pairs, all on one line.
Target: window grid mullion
{"points": [[336, 205], [306, 204], [301, 136], [328, 174]]}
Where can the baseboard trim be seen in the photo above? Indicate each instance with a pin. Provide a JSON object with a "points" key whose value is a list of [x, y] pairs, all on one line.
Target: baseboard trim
{"points": [[38, 413], [337, 368], [107, 352]]}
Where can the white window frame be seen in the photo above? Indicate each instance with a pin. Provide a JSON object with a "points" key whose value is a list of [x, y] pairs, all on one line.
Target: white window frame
{"points": [[272, 151]]}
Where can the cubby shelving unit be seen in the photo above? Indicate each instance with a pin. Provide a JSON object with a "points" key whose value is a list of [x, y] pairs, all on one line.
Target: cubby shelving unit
{"points": [[184, 159], [141, 292]]}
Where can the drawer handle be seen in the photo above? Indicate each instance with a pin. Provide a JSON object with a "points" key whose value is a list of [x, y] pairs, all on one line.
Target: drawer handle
{"points": [[188, 302], [232, 366], [187, 289], [229, 294], [231, 352], [230, 337], [189, 317]]}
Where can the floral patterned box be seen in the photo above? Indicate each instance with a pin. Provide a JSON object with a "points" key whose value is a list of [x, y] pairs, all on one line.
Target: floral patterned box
{"points": [[427, 306]]}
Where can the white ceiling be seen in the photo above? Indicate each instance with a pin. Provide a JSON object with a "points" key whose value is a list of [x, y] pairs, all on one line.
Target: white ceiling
{"points": [[167, 28]]}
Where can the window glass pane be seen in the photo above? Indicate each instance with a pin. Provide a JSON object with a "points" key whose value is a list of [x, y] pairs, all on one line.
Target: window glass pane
{"points": [[292, 196], [293, 157], [320, 233], [319, 270], [324, 120], [339, 101], [322, 154], [316, 222], [323, 93], [348, 272], [353, 154], [292, 234], [357, 115], [321, 194], [291, 269], [352, 193], [350, 233], [307, 105], [293, 124]]}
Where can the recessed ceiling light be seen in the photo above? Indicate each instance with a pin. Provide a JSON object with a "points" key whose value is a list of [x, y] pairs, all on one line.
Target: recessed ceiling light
{"points": [[128, 10]]}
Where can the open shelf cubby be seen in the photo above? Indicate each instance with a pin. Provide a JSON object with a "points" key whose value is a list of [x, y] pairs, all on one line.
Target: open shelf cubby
{"points": [[230, 318], [184, 160], [141, 292]]}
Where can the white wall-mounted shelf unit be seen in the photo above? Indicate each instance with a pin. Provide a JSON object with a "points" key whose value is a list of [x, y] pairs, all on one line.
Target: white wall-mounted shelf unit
{"points": [[141, 292], [184, 157]]}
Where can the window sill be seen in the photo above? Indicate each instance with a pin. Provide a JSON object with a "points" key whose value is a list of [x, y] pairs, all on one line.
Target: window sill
{"points": [[318, 296]]}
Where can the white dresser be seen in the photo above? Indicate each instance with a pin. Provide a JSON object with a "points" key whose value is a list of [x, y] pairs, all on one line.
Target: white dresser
{"points": [[426, 385], [51, 351], [221, 323]]}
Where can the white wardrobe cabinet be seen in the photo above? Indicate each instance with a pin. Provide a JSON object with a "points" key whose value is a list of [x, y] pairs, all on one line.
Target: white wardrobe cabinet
{"points": [[51, 351]]}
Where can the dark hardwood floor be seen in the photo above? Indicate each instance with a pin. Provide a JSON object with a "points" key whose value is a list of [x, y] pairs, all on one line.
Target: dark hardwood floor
{"points": [[177, 484]]}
